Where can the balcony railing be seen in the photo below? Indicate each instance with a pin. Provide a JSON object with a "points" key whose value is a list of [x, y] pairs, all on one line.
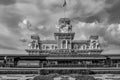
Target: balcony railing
{"points": [[79, 65], [63, 52]]}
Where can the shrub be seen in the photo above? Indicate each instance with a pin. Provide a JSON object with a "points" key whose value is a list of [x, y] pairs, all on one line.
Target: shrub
{"points": [[42, 77], [85, 78], [78, 77]]}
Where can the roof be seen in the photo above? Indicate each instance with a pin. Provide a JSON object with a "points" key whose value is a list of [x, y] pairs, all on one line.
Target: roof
{"points": [[49, 42], [35, 36], [5, 52], [94, 37], [64, 19], [80, 41]]}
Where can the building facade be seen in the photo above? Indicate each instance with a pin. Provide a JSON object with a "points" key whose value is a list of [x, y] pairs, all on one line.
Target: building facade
{"points": [[64, 41], [64, 54]]}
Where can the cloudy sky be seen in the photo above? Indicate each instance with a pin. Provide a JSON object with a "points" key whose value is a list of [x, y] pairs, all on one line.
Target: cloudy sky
{"points": [[89, 17]]}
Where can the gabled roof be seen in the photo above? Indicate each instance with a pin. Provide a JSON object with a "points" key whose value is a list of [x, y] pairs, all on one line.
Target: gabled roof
{"points": [[49, 42]]}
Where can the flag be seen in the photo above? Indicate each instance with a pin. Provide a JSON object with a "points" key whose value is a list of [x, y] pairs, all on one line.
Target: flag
{"points": [[64, 3]]}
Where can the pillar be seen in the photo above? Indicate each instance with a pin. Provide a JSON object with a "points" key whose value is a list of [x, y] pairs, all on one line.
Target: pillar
{"points": [[61, 44], [66, 43]]}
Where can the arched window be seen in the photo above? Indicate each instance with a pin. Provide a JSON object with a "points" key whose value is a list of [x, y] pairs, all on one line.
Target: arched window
{"points": [[84, 46], [75, 46], [63, 44], [52, 46], [68, 45], [94, 45], [47, 47], [43, 46], [55, 47], [79, 46], [98, 46]]}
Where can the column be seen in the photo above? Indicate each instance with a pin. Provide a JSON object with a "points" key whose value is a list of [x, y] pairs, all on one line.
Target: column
{"points": [[66, 44], [61, 44]]}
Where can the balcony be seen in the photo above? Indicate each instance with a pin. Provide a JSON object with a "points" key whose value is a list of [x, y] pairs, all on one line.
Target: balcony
{"points": [[80, 65], [63, 52]]}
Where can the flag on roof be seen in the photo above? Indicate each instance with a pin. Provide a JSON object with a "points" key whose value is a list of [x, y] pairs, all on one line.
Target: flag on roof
{"points": [[64, 4]]}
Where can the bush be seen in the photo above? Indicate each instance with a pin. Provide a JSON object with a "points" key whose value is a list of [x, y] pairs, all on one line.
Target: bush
{"points": [[85, 78], [42, 77], [78, 77]]}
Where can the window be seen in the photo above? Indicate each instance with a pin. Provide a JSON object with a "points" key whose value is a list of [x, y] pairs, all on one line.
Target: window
{"points": [[43, 47], [47, 47], [79, 46], [75, 46], [55, 47], [63, 44], [84, 46], [52, 46], [68, 45]]}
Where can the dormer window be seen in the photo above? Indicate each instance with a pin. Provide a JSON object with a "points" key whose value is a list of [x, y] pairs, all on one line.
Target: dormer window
{"points": [[47, 47], [52, 46], [43, 47], [75, 46], [55, 47], [68, 45], [84, 46], [64, 44]]}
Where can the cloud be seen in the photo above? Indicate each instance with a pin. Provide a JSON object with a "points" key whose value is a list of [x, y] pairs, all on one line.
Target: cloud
{"points": [[7, 47], [3, 30], [113, 31], [109, 34], [44, 15], [9, 43], [7, 40], [97, 10], [12, 52], [7, 2]]}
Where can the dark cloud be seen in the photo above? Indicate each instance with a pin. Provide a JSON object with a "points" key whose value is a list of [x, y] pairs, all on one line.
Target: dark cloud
{"points": [[112, 1], [7, 2], [110, 12], [11, 20], [93, 19], [114, 13]]}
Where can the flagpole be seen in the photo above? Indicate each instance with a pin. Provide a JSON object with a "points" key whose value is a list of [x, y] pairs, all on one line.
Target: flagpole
{"points": [[64, 6], [64, 13]]}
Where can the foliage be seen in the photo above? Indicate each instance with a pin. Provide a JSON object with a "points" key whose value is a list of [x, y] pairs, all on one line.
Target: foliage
{"points": [[51, 76]]}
